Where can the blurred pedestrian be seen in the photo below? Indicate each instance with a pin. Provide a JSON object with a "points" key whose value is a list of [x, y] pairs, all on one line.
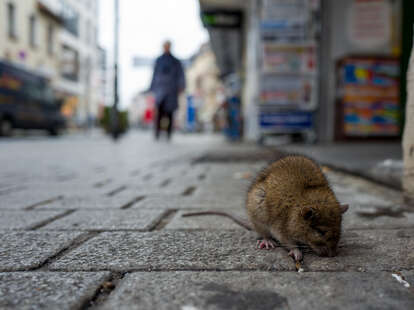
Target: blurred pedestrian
{"points": [[167, 82]]}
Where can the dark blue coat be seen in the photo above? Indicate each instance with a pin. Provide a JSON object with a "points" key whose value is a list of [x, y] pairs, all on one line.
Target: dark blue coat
{"points": [[167, 81]]}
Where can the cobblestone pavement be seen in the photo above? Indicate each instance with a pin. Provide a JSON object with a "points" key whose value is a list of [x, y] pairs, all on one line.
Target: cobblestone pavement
{"points": [[86, 224]]}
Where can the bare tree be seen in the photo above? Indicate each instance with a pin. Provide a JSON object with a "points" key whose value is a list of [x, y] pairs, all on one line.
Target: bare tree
{"points": [[408, 138]]}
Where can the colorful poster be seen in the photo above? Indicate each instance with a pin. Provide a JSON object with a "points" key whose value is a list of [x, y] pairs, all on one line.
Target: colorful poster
{"points": [[282, 91], [289, 58], [284, 20], [375, 118], [370, 97]]}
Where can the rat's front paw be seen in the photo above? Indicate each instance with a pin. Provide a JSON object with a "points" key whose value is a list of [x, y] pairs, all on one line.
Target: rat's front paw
{"points": [[296, 254], [266, 244]]}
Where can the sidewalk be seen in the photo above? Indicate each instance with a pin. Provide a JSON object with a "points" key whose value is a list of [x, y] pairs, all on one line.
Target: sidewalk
{"points": [[380, 162], [88, 224]]}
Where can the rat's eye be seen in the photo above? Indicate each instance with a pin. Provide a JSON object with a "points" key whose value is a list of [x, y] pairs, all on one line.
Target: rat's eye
{"points": [[320, 231]]}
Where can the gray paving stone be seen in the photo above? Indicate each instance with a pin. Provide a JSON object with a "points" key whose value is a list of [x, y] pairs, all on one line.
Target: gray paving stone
{"points": [[377, 217], [170, 250], [176, 188], [205, 221], [260, 290], [90, 202], [189, 202], [138, 219], [225, 192], [234, 250], [26, 198], [194, 173], [230, 171], [26, 250], [160, 181], [25, 219], [368, 250], [346, 193], [357, 198], [351, 186], [48, 290], [163, 202], [364, 159]]}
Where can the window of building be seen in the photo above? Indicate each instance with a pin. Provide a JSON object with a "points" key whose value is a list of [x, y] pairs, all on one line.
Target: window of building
{"points": [[11, 20], [33, 31], [69, 63], [50, 39], [70, 19]]}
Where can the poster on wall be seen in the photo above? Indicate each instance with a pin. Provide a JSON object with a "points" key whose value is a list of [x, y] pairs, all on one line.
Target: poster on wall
{"points": [[289, 58], [369, 23], [284, 20], [288, 91], [370, 96]]}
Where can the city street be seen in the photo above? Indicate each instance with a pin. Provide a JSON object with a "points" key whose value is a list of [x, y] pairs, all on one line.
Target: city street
{"points": [[88, 223]]}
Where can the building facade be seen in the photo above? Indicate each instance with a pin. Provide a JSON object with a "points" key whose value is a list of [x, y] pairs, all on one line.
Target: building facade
{"points": [[29, 37], [79, 79], [58, 40]]}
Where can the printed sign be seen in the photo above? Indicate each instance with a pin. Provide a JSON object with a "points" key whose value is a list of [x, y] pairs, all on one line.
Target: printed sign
{"points": [[288, 58], [221, 19], [369, 23], [294, 120], [284, 20], [282, 91]]}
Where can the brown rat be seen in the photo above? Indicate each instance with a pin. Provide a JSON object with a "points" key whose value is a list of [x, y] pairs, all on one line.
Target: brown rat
{"points": [[291, 201]]}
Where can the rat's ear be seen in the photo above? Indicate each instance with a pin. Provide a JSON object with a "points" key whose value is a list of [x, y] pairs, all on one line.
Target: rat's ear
{"points": [[344, 208], [259, 195], [308, 213]]}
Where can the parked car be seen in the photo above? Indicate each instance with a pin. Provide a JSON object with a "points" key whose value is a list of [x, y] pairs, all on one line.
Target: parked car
{"points": [[27, 102]]}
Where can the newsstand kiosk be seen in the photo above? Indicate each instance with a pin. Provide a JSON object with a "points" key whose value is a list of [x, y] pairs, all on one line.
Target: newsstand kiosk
{"points": [[289, 75]]}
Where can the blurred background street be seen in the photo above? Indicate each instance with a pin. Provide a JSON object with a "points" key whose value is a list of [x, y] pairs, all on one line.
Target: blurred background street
{"points": [[117, 117]]}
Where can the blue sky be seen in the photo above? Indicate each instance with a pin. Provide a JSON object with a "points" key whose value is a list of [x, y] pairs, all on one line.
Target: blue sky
{"points": [[144, 25]]}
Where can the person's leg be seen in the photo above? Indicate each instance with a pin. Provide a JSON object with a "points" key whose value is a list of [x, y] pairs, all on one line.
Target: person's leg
{"points": [[158, 118], [170, 116]]}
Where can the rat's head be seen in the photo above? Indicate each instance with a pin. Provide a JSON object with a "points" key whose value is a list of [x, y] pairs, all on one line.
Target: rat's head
{"points": [[320, 227]]}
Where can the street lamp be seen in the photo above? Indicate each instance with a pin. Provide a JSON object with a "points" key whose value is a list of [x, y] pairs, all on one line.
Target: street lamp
{"points": [[114, 118]]}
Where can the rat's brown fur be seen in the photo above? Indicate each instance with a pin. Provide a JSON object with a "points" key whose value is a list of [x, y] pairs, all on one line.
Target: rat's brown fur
{"points": [[291, 201]]}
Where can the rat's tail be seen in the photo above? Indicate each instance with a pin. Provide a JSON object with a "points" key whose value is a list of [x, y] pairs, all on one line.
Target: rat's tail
{"points": [[241, 222]]}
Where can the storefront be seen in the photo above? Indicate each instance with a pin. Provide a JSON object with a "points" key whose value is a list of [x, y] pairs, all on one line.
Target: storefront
{"points": [[334, 70]]}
